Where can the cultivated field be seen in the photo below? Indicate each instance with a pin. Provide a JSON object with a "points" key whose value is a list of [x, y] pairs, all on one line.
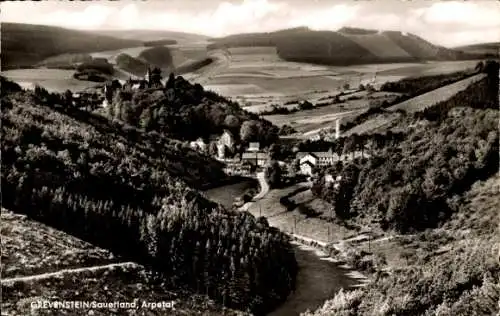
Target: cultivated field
{"points": [[378, 123], [274, 80], [256, 78], [382, 121], [54, 80]]}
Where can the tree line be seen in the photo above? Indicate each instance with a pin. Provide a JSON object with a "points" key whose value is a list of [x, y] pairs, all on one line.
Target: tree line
{"points": [[178, 107]]}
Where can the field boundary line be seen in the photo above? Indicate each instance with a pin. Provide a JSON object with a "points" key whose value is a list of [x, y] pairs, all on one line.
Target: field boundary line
{"points": [[62, 272]]}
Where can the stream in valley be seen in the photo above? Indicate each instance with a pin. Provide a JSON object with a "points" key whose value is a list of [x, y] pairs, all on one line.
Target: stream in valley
{"points": [[318, 279]]}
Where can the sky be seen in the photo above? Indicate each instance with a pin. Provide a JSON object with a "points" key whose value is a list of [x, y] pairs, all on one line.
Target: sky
{"points": [[447, 23]]}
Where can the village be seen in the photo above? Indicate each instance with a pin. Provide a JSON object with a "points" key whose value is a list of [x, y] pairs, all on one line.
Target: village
{"points": [[253, 158], [240, 159]]}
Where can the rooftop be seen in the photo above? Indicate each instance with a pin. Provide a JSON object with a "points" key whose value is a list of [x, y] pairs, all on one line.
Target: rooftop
{"points": [[254, 155]]}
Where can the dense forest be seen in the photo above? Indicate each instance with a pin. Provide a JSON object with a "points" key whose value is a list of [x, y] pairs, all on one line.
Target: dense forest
{"points": [[405, 188], [405, 184], [414, 86], [190, 106], [160, 42], [132, 65], [450, 271], [123, 189], [157, 56]]}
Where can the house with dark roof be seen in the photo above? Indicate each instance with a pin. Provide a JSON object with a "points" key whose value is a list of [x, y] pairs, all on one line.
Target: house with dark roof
{"points": [[256, 158]]}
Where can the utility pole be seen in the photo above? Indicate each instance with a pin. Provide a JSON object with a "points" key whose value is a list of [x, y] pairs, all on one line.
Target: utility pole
{"points": [[369, 240], [260, 210], [295, 224]]}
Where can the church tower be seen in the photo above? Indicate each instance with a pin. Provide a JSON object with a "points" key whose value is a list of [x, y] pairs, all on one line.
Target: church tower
{"points": [[147, 77]]}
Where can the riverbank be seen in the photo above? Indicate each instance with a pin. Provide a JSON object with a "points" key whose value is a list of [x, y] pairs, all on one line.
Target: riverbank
{"points": [[268, 203]]}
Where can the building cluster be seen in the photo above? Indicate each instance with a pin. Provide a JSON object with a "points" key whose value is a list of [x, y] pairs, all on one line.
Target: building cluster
{"points": [[152, 79], [308, 161], [242, 163]]}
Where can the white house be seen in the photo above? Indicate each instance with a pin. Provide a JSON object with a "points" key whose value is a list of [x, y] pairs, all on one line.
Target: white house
{"points": [[254, 146], [327, 158], [199, 144], [329, 178], [306, 167], [311, 157], [221, 151], [227, 139]]}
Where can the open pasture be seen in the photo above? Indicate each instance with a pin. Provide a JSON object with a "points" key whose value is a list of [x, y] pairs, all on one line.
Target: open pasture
{"points": [[110, 55], [275, 81], [311, 120], [420, 102], [54, 80]]}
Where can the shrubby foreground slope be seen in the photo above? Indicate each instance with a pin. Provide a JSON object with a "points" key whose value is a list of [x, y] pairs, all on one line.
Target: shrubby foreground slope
{"points": [[125, 190], [42, 263]]}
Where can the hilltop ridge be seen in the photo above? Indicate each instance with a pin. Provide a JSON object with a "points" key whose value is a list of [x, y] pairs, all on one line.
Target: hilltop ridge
{"points": [[346, 46], [24, 45]]}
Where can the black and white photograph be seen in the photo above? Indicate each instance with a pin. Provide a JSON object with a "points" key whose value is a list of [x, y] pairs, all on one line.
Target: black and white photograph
{"points": [[250, 158]]}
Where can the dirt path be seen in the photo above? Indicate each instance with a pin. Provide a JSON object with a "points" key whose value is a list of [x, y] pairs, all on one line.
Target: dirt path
{"points": [[222, 60], [66, 271], [264, 186]]}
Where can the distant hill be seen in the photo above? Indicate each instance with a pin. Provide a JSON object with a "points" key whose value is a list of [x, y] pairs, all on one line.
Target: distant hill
{"points": [[131, 64], [492, 49], [24, 45], [345, 46], [159, 56], [255, 39], [152, 35], [356, 31]]}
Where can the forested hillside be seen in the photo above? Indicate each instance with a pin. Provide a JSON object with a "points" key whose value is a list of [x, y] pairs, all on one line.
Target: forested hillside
{"points": [[439, 181], [132, 65], [158, 56], [491, 49], [122, 189], [191, 106], [24, 45], [443, 151], [451, 271]]}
